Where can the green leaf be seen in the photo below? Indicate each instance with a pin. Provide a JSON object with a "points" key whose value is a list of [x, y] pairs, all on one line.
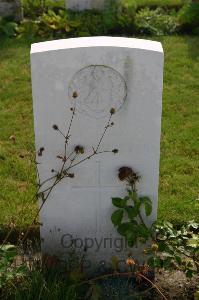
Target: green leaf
{"points": [[131, 243], [189, 273], [131, 211], [178, 259], [155, 262], [147, 205], [168, 225], [193, 224], [117, 216], [167, 263], [8, 247], [131, 238], [130, 193], [119, 202], [124, 228], [162, 246], [143, 231], [9, 252]]}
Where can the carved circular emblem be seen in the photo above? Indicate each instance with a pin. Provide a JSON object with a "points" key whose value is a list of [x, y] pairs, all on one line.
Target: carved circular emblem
{"points": [[98, 89]]}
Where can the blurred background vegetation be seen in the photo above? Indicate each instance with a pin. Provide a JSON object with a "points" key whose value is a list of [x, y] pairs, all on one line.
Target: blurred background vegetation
{"points": [[51, 19]]}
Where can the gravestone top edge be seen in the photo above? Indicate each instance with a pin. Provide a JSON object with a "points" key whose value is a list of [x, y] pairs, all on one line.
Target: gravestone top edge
{"points": [[105, 41]]}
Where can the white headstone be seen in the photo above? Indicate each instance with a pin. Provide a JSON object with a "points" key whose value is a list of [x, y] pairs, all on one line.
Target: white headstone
{"points": [[106, 72], [10, 8], [85, 4]]}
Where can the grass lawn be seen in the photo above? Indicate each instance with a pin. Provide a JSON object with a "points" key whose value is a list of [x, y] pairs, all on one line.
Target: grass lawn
{"points": [[178, 198]]}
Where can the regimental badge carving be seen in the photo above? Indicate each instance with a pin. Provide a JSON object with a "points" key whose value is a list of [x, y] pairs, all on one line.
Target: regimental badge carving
{"points": [[98, 88]]}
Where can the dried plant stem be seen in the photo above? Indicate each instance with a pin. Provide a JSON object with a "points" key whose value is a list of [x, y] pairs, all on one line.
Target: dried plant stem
{"points": [[45, 181], [88, 157], [103, 134], [72, 166], [59, 176], [70, 125], [39, 210], [154, 285], [40, 184], [61, 133], [64, 172], [66, 138]]}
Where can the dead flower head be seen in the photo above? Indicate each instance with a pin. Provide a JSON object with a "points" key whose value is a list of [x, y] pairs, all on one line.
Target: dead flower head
{"points": [[127, 173]]}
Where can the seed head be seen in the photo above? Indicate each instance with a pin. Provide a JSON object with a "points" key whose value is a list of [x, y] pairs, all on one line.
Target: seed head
{"points": [[41, 150], [79, 149], [112, 111], [60, 157], [115, 151], [71, 175], [75, 95], [55, 127]]}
